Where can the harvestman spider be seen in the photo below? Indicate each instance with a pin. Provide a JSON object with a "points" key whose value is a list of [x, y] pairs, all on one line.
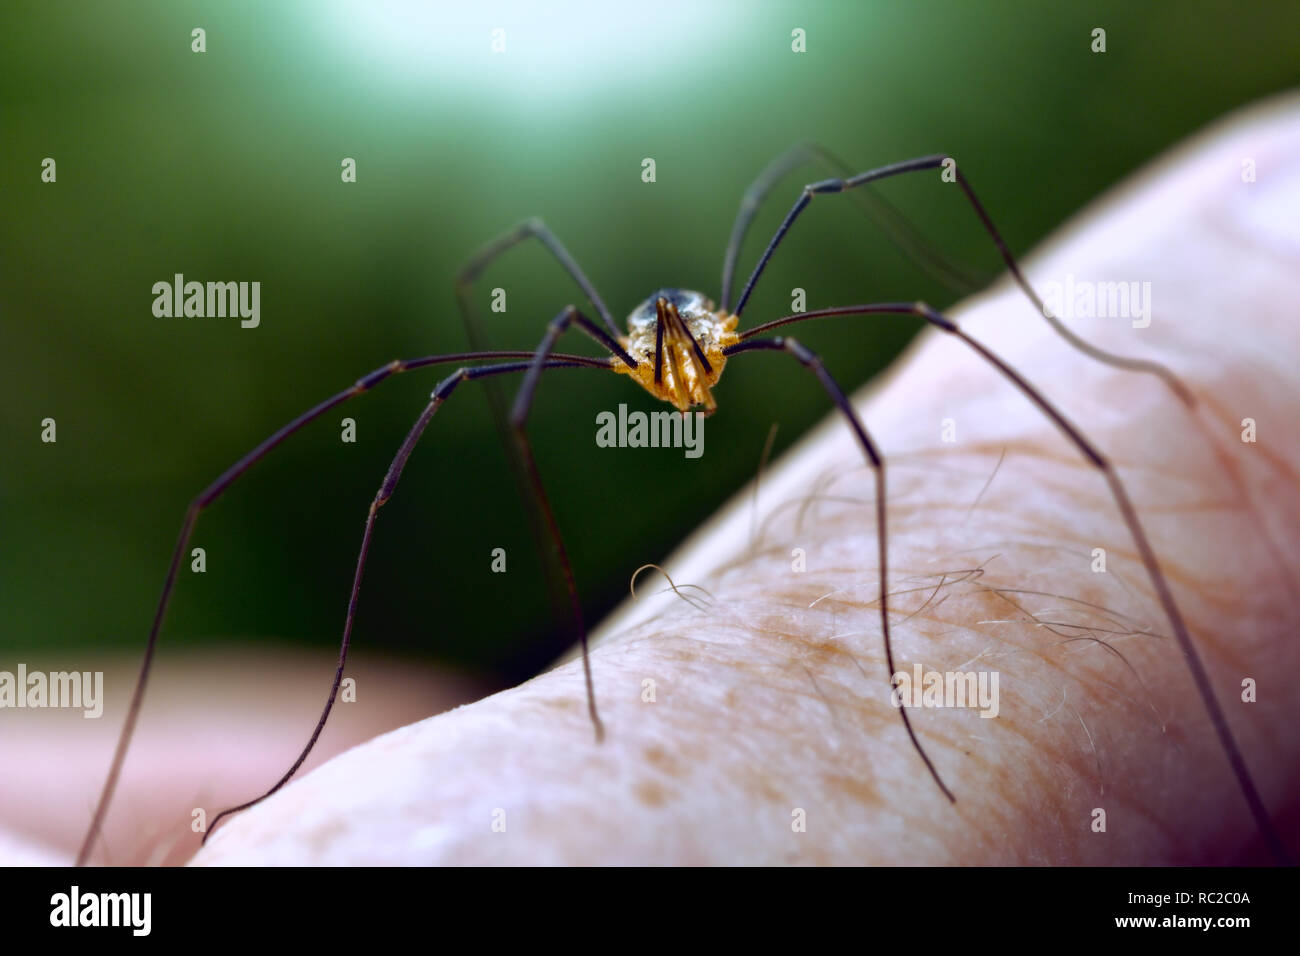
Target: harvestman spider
{"points": [[676, 347]]}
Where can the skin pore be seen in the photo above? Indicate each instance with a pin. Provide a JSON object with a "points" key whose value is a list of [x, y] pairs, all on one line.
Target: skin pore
{"points": [[770, 737]]}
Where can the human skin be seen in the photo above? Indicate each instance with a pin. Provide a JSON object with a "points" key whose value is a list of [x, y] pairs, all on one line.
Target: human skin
{"points": [[217, 727], [771, 696]]}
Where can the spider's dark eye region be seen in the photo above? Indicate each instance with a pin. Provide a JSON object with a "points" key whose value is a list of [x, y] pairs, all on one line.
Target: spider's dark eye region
{"points": [[681, 298], [687, 303]]}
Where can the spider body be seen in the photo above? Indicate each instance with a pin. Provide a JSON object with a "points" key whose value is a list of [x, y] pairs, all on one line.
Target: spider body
{"points": [[678, 339]]}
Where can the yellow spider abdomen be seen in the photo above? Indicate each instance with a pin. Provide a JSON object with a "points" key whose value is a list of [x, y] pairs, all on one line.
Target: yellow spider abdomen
{"points": [[678, 333]]}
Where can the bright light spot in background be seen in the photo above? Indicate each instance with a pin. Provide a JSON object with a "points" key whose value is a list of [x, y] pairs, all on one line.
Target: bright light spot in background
{"points": [[564, 53]]}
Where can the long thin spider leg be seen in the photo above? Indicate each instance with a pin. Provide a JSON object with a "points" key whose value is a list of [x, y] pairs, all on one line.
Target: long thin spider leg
{"points": [[610, 342], [210, 494], [386, 490], [519, 423], [934, 162], [875, 308], [659, 341], [811, 361], [684, 330], [894, 223], [466, 279], [1158, 581], [536, 229]]}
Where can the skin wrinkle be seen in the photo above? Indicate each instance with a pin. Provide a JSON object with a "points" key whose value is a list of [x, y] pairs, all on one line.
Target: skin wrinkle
{"points": [[1114, 688], [1104, 683], [1067, 639], [1116, 576], [1075, 604], [1059, 664], [1290, 477]]}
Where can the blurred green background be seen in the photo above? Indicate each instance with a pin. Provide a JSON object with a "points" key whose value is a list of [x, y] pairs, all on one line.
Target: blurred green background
{"points": [[226, 166]]}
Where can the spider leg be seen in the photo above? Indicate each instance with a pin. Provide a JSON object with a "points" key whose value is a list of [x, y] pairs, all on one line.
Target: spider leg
{"points": [[469, 274], [896, 225], [1158, 581], [839, 185], [386, 489], [519, 424], [210, 494], [811, 361], [659, 343], [530, 228]]}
